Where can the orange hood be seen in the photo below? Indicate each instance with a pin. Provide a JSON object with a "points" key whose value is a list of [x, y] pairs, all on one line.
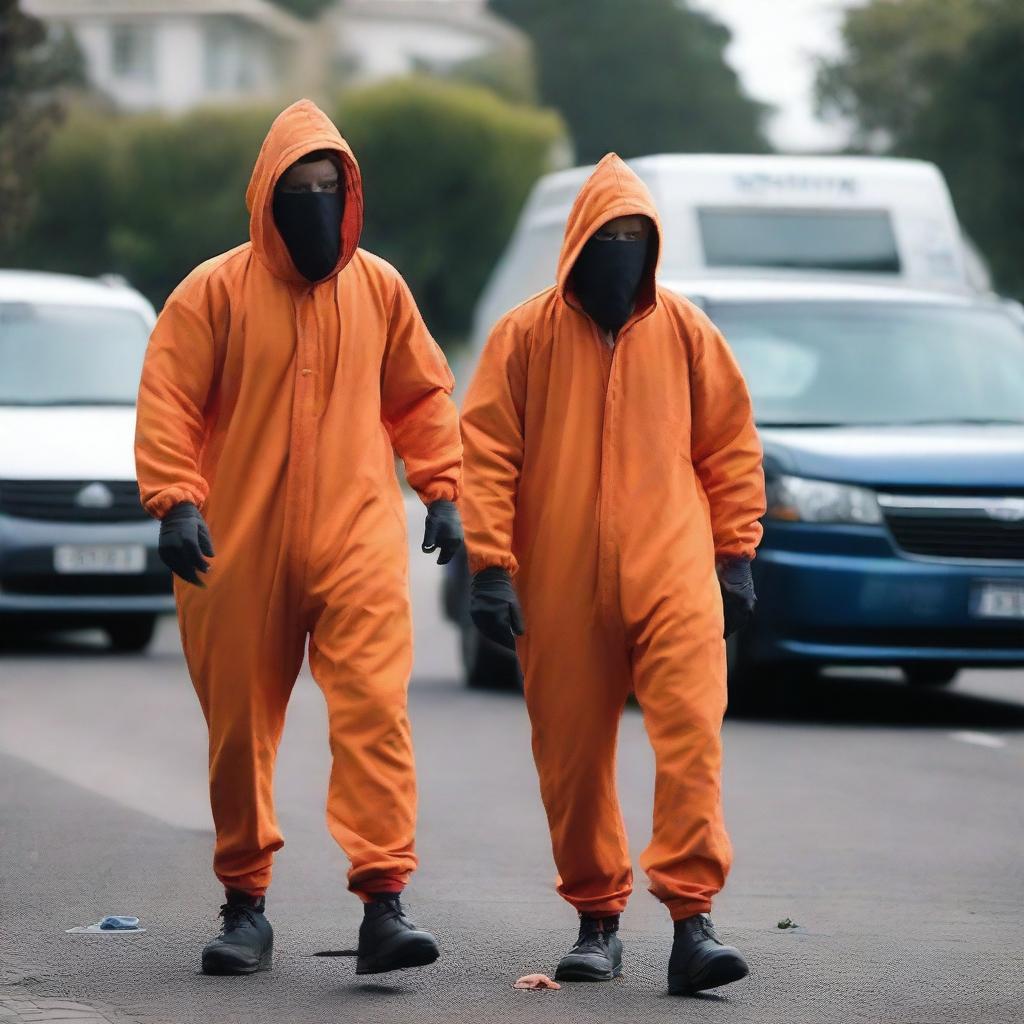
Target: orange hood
{"points": [[612, 190], [299, 129]]}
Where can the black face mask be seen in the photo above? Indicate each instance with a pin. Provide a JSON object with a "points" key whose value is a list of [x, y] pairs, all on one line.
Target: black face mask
{"points": [[605, 278], [310, 224]]}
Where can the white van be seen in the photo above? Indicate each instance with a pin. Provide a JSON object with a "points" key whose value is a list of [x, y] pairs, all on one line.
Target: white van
{"points": [[873, 219]]}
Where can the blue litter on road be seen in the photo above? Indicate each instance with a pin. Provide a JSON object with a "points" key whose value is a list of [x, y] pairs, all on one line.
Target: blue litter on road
{"points": [[111, 925]]}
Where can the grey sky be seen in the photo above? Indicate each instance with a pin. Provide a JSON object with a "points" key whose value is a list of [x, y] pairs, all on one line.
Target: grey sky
{"points": [[773, 49]]}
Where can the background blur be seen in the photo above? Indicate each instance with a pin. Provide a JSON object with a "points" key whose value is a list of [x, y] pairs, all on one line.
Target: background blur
{"points": [[128, 128]]}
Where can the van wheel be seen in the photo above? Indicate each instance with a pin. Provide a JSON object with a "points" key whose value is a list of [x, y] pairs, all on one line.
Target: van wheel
{"points": [[132, 633], [930, 674], [487, 666]]}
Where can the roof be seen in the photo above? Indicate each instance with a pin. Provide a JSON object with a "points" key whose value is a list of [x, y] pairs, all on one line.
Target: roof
{"points": [[759, 289], [260, 12], [68, 290], [468, 15], [760, 163]]}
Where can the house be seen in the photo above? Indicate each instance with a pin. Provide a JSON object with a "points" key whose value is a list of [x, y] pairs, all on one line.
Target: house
{"points": [[377, 39], [175, 54]]}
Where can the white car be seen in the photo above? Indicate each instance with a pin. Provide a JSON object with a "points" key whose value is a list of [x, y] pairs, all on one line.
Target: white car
{"points": [[76, 547]]}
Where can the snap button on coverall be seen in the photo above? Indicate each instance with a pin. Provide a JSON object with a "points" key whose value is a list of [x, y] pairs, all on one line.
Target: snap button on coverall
{"points": [[277, 406], [608, 480]]}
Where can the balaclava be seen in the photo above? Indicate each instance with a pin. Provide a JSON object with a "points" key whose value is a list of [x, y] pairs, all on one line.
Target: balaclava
{"points": [[605, 278], [310, 224]]}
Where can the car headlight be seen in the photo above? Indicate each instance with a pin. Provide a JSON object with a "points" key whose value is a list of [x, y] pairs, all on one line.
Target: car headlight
{"points": [[795, 499]]}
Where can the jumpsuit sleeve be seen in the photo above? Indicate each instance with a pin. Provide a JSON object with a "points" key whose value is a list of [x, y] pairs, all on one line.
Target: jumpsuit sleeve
{"points": [[170, 425], [725, 448], [416, 404], [492, 430]]}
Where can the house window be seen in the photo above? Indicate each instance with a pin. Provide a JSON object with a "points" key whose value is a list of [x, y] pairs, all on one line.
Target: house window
{"points": [[233, 59], [133, 52]]}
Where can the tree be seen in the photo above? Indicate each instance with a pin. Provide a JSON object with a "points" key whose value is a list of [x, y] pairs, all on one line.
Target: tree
{"points": [[974, 130], [895, 54], [645, 76], [943, 80], [446, 169], [33, 67]]}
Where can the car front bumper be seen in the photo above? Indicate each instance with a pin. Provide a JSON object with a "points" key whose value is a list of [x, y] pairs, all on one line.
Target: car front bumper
{"points": [[846, 595], [31, 587]]}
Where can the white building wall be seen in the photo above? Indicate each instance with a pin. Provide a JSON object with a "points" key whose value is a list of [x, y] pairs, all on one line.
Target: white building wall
{"points": [[253, 62], [387, 47], [179, 63]]}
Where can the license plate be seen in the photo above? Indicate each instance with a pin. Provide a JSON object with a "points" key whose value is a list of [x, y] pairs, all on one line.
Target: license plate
{"points": [[99, 558], [997, 600]]}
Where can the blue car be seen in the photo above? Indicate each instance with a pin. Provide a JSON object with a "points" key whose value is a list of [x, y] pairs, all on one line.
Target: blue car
{"points": [[893, 430]]}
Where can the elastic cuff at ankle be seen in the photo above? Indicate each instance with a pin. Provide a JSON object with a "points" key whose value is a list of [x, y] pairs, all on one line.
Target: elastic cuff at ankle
{"points": [[372, 888]]}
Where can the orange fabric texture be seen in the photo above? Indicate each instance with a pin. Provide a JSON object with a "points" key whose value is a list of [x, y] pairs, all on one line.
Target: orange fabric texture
{"points": [[277, 407], [608, 479]]}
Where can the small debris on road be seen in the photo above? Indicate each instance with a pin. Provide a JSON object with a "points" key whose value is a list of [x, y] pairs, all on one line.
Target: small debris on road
{"points": [[535, 983], [110, 925], [787, 923]]}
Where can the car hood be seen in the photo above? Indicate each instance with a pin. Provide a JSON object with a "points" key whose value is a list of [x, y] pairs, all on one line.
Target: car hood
{"points": [[940, 457], [67, 443]]}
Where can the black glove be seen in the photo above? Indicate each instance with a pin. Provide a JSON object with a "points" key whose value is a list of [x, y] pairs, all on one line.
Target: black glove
{"points": [[494, 607], [738, 598], [184, 540], [443, 530]]}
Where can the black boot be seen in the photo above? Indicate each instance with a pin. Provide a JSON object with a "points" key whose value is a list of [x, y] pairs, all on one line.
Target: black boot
{"points": [[246, 941], [597, 955], [389, 941], [699, 959]]}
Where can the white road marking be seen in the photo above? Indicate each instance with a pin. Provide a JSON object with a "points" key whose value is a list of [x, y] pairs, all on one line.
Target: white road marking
{"points": [[979, 739]]}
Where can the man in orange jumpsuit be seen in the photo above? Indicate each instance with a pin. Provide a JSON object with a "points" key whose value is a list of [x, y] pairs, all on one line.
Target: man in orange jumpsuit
{"points": [[612, 468], [280, 380]]}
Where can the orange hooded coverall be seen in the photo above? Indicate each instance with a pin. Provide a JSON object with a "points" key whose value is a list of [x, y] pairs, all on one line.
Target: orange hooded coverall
{"points": [[607, 479], [275, 406]]}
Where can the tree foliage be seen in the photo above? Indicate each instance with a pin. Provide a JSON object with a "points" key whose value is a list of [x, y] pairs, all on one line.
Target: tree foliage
{"points": [[895, 55], [33, 67], [943, 80], [645, 76], [446, 168]]}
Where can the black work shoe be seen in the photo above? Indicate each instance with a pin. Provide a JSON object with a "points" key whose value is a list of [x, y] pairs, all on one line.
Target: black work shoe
{"points": [[699, 959], [597, 955], [389, 941], [246, 941]]}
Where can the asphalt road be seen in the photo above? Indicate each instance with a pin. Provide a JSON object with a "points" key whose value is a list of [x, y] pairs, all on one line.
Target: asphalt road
{"points": [[886, 823]]}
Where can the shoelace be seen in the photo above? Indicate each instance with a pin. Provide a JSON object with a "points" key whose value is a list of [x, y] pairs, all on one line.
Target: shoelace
{"points": [[393, 909], [234, 914]]}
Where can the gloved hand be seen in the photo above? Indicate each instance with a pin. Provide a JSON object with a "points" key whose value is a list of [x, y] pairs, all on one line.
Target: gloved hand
{"points": [[738, 597], [184, 540], [494, 607], [443, 530]]}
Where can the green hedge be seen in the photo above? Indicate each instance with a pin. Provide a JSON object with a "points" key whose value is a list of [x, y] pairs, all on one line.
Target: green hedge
{"points": [[446, 168]]}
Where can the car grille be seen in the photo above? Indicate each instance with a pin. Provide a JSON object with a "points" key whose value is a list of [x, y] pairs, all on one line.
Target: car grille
{"points": [[976, 529], [80, 501]]}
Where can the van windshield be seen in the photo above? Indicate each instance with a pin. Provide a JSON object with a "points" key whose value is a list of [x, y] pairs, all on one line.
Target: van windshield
{"points": [[69, 355], [855, 241], [866, 363]]}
